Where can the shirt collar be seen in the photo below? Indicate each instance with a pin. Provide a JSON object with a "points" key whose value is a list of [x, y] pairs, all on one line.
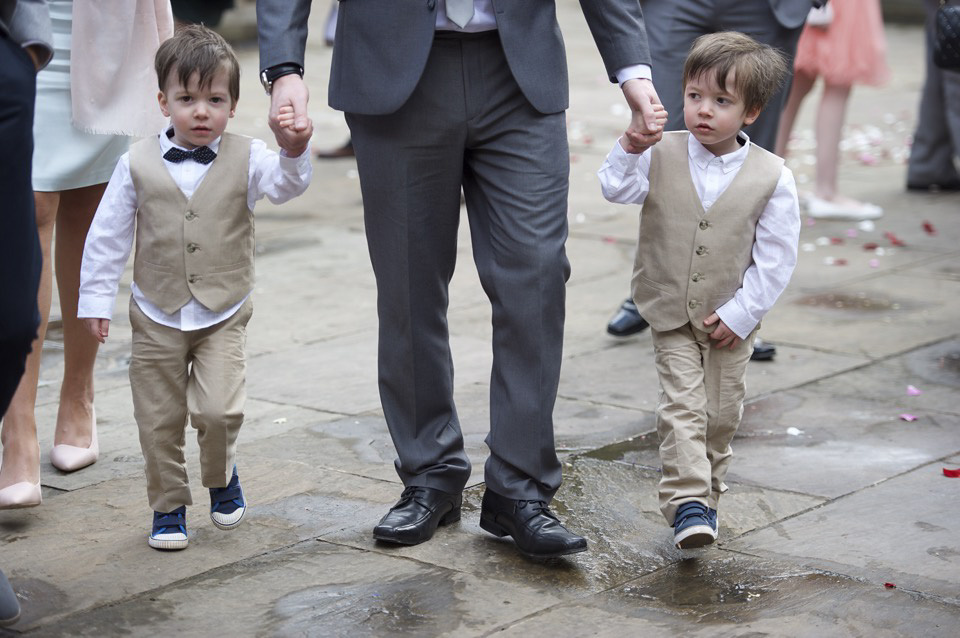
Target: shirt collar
{"points": [[166, 141], [731, 161]]}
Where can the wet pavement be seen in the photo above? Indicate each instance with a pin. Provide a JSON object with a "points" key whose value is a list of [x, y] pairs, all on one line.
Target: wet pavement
{"points": [[832, 495]]}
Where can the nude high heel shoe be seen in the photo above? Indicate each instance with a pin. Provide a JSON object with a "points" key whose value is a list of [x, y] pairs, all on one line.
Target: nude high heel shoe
{"points": [[69, 458], [22, 494]]}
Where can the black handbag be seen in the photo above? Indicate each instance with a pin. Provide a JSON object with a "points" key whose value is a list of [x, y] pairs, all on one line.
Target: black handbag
{"points": [[946, 37]]}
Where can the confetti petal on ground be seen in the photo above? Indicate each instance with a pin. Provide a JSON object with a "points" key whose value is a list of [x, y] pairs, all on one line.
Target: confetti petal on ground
{"points": [[828, 261], [929, 229], [836, 241], [811, 221], [896, 241], [870, 246], [823, 241], [851, 232], [867, 226], [280, 421], [909, 418], [808, 248], [951, 473], [609, 240], [874, 263], [792, 431], [889, 585], [913, 391]]}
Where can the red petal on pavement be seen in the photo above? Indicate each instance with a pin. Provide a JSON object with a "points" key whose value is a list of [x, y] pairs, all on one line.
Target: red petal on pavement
{"points": [[870, 246], [929, 229], [889, 585], [609, 240], [836, 241], [951, 473], [839, 261], [908, 418], [896, 241]]}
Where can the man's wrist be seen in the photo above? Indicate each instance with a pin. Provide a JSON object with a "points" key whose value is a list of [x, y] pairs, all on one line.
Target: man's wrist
{"points": [[271, 74]]}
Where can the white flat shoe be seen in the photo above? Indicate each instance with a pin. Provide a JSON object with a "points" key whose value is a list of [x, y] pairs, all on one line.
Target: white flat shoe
{"points": [[70, 458], [825, 209]]}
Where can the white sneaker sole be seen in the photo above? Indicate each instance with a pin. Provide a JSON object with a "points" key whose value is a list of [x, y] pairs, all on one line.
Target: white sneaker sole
{"points": [[168, 543], [228, 521], [694, 536]]}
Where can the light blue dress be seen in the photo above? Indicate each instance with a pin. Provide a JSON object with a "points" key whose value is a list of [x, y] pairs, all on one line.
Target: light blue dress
{"points": [[65, 157]]}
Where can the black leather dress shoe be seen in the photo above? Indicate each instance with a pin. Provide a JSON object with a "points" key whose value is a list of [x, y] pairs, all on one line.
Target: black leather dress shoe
{"points": [[627, 321], [417, 514], [934, 187], [762, 351], [336, 153], [534, 528]]}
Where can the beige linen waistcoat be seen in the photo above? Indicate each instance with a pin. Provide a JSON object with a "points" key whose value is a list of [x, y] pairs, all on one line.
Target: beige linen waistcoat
{"points": [[690, 262], [201, 247]]}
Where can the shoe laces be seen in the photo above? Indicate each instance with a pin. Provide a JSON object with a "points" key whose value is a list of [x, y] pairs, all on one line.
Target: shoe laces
{"points": [[538, 507], [408, 495], [175, 520], [227, 500]]}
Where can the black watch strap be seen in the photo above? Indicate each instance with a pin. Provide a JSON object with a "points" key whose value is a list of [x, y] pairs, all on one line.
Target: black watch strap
{"points": [[269, 75]]}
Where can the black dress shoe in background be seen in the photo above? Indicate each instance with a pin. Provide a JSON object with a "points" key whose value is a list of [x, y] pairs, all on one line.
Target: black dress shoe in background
{"points": [[336, 153], [762, 351], [417, 514], [534, 528], [627, 321]]}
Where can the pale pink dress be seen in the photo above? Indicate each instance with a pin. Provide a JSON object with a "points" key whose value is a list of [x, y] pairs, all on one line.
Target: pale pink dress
{"points": [[851, 50]]}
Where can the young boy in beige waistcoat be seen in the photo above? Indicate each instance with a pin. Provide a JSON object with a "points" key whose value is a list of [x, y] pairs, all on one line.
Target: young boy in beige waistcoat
{"points": [[187, 196], [718, 243]]}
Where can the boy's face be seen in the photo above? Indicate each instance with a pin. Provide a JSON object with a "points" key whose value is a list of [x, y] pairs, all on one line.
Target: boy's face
{"points": [[715, 116], [199, 116]]}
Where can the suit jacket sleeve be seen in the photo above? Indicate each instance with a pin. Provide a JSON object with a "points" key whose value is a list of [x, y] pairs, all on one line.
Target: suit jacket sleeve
{"points": [[28, 24], [282, 31], [617, 28]]}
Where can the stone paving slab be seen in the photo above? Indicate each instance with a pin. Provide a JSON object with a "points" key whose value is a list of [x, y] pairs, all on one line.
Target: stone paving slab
{"points": [[724, 594], [319, 589], [902, 531], [612, 504], [290, 502]]}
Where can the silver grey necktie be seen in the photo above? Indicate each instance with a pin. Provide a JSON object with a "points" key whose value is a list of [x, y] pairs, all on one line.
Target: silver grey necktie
{"points": [[460, 11]]}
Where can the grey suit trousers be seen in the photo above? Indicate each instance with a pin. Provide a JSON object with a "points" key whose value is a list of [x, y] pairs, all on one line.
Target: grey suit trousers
{"points": [[936, 142], [673, 25], [468, 124]]}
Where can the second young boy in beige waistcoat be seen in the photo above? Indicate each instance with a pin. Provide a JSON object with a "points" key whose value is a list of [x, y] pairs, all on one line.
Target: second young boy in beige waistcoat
{"points": [[718, 243], [187, 197]]}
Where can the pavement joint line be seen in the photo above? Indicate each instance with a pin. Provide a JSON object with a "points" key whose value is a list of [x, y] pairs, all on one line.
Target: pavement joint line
{"points": [[309, 408]]}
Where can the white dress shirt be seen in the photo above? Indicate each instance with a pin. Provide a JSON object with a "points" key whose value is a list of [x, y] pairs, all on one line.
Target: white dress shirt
{"points": [[624, 179], [110, 239], [484, 20]]}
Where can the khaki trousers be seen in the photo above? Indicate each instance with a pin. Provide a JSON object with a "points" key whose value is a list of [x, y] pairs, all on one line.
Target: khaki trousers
{"points": [[200, 373], [701, 402]]}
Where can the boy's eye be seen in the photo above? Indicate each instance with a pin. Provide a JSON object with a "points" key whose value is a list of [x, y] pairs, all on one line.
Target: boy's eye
{"points": [[692, 95], [722, 100], [216, 100]]}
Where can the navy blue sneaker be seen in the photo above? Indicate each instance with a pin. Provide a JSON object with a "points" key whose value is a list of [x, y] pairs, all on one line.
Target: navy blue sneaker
{"points": [[169, 529], [691, 527], [712, 519], [227, 506]]}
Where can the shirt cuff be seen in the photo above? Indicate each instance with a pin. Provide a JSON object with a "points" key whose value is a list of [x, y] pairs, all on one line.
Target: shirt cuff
{"points": [[95, 307], [622, 160], [635, 72], [298, 158]]}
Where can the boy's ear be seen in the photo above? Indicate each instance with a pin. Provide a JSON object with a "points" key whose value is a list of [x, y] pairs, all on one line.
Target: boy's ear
{"points": [[162, 99], [751, 116]]}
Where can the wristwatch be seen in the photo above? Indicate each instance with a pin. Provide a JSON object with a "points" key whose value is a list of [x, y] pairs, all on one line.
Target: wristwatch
{"points": [[269, 76]]}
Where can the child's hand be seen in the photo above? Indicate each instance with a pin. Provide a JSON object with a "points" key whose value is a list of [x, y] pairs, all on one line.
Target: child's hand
{"points": [[634, 142], [286, 116], [99, 328], [294, 142], [722, 335]]}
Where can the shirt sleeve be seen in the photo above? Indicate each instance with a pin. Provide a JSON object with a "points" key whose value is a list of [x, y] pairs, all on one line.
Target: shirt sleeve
{"points": [[108, 245], [774, 258], [624, 177], [276, 176], [634, 72]]}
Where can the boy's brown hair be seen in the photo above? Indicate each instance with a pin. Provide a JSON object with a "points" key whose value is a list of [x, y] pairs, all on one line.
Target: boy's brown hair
{"points": [[760, 69], [197, 49]]}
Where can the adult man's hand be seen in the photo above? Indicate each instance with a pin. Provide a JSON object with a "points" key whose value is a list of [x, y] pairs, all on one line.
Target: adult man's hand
{"points": [[645, 121], [290, 90]]}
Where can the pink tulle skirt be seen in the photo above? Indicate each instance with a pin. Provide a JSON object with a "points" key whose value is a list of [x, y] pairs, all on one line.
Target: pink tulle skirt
{"points": [[852, 49]]}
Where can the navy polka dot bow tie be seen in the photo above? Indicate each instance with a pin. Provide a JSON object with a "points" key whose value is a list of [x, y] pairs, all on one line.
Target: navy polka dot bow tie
{"points": [[201, 155]]}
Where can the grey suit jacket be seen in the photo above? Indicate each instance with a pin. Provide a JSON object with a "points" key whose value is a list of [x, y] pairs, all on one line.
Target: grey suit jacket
{"points": [[27, 22], [793, 13], [382, 46]]}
